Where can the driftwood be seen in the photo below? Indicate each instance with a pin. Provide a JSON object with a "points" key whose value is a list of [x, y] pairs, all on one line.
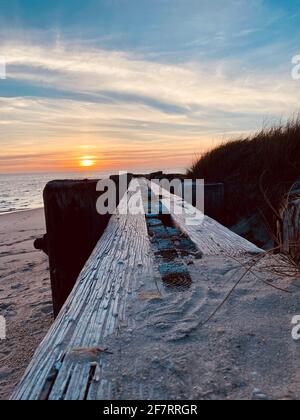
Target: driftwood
{"points": [[82, 351]]}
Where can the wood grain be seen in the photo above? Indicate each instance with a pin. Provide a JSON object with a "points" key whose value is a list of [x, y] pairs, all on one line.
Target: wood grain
{"points": [[211, 237]]}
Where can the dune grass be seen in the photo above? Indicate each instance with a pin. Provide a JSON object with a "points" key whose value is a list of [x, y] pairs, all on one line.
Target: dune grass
{"points": [[258, 171]]}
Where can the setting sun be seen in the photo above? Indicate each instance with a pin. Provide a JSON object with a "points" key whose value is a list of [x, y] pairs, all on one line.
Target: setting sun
{"points": [[87, 162]]}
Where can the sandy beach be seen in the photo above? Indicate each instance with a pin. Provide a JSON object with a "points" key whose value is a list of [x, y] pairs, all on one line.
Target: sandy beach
{"points": [[25, 294]]}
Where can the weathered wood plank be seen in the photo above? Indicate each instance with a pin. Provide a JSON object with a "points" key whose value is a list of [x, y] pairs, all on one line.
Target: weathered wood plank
{"points": [[73, 230], [110, 307], [95, 309], [211, 237]]}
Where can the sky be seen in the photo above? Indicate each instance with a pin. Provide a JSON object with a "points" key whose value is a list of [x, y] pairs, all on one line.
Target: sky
{"points": [[140, 84]]}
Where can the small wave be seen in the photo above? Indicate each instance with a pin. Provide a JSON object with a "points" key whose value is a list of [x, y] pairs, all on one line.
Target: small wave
{"points": [[8, 210]]}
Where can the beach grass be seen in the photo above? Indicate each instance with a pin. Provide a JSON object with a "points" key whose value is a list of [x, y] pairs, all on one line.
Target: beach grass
{"points": [[257, 170]]}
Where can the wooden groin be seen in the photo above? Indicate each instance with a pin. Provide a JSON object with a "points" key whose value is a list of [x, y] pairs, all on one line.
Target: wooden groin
{"points": [[74, 226], [143, 266], [73, 229]]}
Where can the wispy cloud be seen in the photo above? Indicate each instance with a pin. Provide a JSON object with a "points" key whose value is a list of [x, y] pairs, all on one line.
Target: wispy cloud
{"points": [[97, 72], [116, 100]]}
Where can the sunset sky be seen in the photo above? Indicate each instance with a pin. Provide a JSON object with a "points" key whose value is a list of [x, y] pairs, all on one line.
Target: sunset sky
{"points": [[140, 84]]}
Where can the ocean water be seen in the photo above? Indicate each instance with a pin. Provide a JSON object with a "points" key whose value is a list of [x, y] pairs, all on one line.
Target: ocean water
{"points": [[20, 192]]}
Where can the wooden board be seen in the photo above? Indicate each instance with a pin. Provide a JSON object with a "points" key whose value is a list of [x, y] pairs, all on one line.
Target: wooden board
{"points": [[108, 302], [211, 237]]}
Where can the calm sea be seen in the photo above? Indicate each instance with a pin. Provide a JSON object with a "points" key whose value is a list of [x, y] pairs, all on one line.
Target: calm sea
{"points": [[25, 191]]}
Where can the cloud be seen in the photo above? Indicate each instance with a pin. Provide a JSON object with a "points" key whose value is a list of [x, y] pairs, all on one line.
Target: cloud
{"points": [[118, 100], [96, 72]]}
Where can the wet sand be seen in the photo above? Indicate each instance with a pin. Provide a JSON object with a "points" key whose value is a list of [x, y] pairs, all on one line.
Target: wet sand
{"points": [[25, 294]]}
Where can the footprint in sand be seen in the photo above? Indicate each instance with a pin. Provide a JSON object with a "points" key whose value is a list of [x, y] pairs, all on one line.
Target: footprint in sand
{"points": [[47, 310], [7, 309], [16, 286], [5, 306], [29, 268], [5, 373]]}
